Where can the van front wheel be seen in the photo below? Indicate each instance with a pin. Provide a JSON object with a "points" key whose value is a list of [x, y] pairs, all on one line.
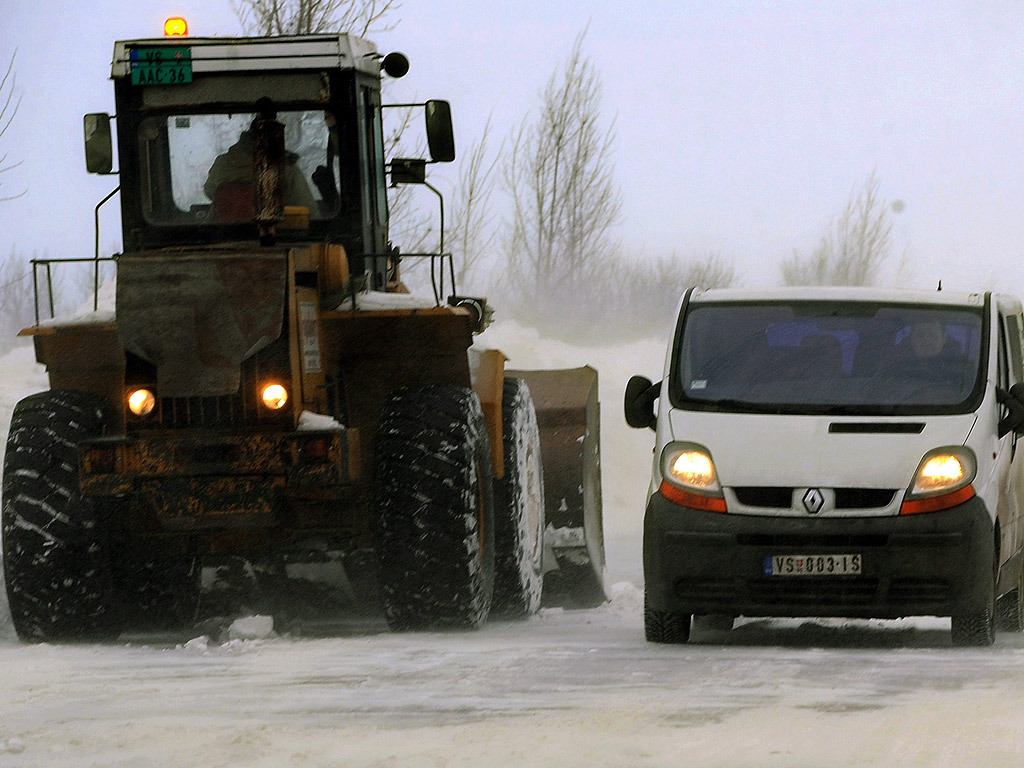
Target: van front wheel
{"points": [[665, 626], [978, 628], [1010, 608]]}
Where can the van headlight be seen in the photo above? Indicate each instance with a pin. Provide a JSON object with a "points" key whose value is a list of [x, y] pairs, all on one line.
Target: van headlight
{"points": [[689, 477], [942, 480]]}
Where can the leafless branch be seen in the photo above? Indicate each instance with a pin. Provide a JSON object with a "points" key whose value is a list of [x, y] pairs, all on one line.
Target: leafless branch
{"points": [[300, 17], [10, 100], [855, 247], [559, 177], [473, 218]]}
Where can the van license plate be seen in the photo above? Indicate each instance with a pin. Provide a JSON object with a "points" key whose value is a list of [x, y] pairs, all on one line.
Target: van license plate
{"points": [[812, 565]]}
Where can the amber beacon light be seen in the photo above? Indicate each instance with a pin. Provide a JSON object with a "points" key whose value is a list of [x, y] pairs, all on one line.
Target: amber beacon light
{"points": [[175, 26]]}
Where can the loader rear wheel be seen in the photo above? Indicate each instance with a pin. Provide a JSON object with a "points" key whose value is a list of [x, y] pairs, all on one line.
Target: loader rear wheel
{"points": [[55, 542], [434, 509], [519, 508]]}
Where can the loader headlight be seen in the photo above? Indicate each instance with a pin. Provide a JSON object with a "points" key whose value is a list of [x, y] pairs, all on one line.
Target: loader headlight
{"points": [[690, 479], [942, 480], [274, 396], [141, 402]]}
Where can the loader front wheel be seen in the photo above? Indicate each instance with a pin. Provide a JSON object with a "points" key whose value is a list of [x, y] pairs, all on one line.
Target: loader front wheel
{"points": [[55, 541], [434, 509], [519, 508]]}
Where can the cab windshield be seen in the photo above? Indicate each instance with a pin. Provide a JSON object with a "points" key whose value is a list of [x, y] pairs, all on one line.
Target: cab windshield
{"points": [[197, 168], [835, 357]]}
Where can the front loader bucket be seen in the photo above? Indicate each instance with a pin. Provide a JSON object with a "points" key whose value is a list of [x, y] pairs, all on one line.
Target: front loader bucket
{"points": [[570, 444]]}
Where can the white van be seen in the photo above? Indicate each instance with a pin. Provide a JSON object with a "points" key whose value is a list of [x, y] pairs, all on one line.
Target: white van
{"points": [[836, 452]]}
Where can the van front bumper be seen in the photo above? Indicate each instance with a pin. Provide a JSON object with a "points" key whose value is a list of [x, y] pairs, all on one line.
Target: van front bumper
{"points": [[935, 564]]}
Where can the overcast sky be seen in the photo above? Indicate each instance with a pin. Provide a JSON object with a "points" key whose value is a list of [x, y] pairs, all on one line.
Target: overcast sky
{"points": [[741, 127]]}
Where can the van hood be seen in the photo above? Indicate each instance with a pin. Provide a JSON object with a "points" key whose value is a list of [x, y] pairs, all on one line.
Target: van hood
{"points": [[812, 451]]}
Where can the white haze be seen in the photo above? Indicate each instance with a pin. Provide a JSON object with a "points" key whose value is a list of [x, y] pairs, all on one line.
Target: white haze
{"points": [[573, 689]]}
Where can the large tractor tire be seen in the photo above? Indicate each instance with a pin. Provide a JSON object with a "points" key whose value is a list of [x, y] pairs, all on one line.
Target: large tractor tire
{"points": [[434, 510], [55, 542], [519, 508]]}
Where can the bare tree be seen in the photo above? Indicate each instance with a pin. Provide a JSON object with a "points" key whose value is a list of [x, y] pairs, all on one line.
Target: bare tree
{"points": [[302, 17], [559, 176], [637, 298], [854, 248], [473, 230], [10, 99]]}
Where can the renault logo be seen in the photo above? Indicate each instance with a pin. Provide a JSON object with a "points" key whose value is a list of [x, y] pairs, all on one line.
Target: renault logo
{"points": [[813, 501]]}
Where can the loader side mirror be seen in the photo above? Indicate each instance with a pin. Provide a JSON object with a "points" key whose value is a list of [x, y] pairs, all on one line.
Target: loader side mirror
{"points": [[440, 137], [99, 150], [639, 402], [408, 171]]}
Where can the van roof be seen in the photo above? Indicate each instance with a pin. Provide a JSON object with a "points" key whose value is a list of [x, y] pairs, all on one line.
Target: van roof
{"points": [[839, 293]]}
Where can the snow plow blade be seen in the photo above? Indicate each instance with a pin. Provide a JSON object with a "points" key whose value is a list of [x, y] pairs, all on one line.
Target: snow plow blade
{"points": [[570, 444]]}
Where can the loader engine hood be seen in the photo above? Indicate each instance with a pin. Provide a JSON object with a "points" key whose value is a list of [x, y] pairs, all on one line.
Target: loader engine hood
{"points": [[197, 315]]}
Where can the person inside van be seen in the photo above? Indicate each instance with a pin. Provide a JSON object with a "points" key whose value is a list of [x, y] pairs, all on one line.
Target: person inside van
{"points": [[931, 355]]}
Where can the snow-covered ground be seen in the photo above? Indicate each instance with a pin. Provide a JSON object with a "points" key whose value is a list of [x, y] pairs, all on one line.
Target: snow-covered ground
{"points": [[562, 689]]}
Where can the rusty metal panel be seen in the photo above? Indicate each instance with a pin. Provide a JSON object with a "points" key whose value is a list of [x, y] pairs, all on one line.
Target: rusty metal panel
{"points": [[488, 383], [174, 484], [197, 316], [378, 351], [86, 357], [188, 503]]}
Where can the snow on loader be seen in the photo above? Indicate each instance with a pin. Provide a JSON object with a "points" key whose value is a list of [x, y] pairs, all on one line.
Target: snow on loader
{"points": [[267, 399]]}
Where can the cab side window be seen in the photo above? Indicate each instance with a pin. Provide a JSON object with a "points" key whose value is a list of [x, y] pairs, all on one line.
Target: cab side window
{"points": [[1012, 327]]}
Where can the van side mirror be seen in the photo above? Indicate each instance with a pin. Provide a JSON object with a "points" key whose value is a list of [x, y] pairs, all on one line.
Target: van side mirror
{"points": [[440, 137], [99, 150], [1014, 402], [639, 402]]}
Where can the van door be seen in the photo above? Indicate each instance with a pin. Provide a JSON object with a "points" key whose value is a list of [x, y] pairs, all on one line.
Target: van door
{"points": [[1011, 465]]}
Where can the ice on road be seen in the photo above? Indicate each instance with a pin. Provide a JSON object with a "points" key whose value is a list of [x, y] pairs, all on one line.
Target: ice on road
{"points": [[564, 688]]}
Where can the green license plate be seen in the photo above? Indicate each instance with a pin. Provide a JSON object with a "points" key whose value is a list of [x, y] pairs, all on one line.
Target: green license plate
{"points": [[161, 66]]}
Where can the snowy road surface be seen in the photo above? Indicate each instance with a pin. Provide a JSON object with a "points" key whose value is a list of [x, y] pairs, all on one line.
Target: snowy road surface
{"points": [[563, 689]]}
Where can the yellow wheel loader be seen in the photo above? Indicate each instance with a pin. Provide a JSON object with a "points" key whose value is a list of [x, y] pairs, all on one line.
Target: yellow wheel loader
{"points": [[266, 398]]}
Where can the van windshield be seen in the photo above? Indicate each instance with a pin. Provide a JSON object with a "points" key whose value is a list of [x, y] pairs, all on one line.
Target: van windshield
{"points": [[835, 357]]}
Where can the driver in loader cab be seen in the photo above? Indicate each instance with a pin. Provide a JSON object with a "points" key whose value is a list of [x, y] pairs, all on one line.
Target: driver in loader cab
{"points": [[229, 183]]}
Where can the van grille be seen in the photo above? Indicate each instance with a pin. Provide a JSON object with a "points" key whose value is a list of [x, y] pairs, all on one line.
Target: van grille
{"points": [[919, 591], [781, 497], [811, 591], [860, 541]]}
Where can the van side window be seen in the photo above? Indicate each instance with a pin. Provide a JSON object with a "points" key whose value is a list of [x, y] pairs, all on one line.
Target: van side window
{"points": [[1002, 373], [1013, 338]]}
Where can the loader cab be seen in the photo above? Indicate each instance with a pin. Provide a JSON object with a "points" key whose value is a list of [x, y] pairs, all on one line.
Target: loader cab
{"points": [[184, 146]]}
